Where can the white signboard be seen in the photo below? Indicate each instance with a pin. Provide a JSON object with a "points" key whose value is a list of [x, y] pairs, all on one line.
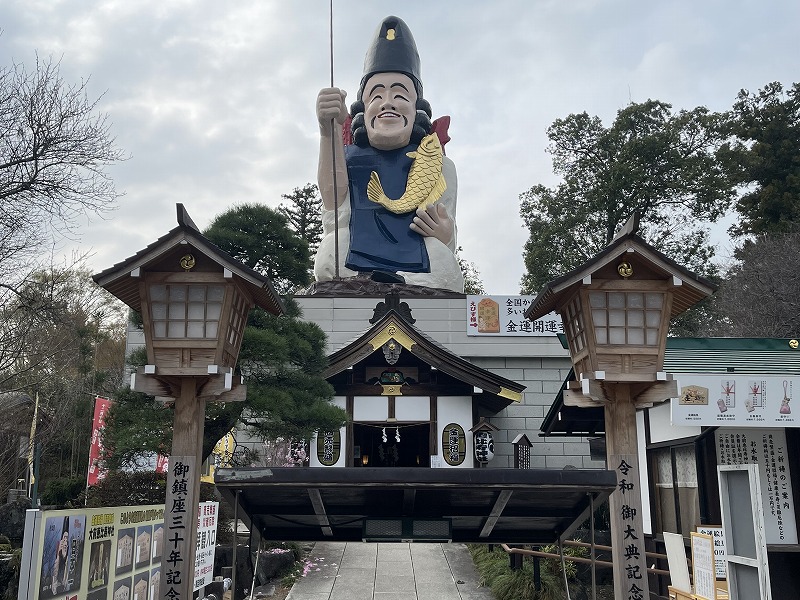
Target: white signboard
{"points": [[740, 401], [703, 567], [207, 519], [720, 565], [505, 316], [767, 449]]}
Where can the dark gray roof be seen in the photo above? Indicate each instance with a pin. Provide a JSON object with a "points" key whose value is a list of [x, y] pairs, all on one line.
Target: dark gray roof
{"points": [[117, 279], [693, 289]]}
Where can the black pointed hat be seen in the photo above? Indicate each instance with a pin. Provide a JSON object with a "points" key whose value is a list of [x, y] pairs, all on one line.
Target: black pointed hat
{"points": [[392, 51]]}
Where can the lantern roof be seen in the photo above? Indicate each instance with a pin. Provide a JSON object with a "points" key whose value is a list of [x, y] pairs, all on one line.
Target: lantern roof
{"points": [[164, 254], [648, 263]]}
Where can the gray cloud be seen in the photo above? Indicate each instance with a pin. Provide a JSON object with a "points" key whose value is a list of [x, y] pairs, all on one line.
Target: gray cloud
{"points": [[214, 101]]}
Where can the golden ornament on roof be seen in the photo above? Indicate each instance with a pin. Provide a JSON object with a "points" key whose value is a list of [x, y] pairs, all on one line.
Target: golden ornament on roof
{"points": [[187, 262], [625, 269]]}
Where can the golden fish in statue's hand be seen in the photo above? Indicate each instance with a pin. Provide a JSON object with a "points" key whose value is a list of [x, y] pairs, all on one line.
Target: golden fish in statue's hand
{"points": [[425, 183]]}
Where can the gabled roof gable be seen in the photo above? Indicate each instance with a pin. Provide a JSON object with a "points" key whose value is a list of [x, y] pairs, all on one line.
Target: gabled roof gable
{"points": [[393, 326], [689, 288], [179, 241]]}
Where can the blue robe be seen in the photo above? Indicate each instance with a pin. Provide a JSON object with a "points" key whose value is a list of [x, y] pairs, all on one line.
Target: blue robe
{"points": [[379, 239]]}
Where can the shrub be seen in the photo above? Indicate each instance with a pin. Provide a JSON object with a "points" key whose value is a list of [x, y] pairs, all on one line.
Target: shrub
{"points": [[508, 584], [63, 492]]}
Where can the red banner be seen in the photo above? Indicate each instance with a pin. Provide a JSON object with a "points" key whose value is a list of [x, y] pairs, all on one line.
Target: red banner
{"points": [[162, 463], [96, 472]]}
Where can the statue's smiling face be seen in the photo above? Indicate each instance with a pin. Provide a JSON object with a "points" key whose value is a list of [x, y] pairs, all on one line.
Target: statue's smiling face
{"points": [[390, 107]]}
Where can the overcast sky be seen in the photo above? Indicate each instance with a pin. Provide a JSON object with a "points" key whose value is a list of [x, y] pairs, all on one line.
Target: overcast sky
{"points": [[214, 100]]}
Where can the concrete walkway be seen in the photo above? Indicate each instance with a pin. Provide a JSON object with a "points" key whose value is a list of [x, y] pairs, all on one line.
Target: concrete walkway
{"points": [[360, 571]]}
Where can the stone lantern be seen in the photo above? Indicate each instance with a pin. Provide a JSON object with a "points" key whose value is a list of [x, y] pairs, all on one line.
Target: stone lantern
{"points": [[194, 300], [616, 309]]}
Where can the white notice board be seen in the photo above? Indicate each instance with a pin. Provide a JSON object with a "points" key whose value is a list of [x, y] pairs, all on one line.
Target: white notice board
{"points": [[718, 534], [703, 566]]}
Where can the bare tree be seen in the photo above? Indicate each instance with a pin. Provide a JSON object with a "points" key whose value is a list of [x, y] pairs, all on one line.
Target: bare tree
{"points": [[54, 148], [760, 295]]}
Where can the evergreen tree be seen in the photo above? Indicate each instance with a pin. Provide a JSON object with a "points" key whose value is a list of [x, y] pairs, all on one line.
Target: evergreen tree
{"points": [[473, 284], [304, 212], [765, 157]]}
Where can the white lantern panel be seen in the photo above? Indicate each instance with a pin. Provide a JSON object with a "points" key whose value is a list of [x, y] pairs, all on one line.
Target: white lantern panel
{"points": [[635, 300], [653, 318], [158, 292], [636, 336], [616, 317], [177, 293], [597, 299], [655, 300], [636, 318], [197, 310], [177, 310], [194, 329], [158, 310], [216, 293], [616, 299], [616, 335], [213, 310], [197, 293]]}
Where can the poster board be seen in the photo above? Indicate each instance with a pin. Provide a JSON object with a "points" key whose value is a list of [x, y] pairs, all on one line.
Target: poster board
{"points": [[720, 563], [728, 400], [676, 558], [504, 316], [105, 553], [768, 451], [703, 570]]}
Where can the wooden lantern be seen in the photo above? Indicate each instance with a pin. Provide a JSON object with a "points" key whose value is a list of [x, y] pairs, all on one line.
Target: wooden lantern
{"points": [[194, 300], [616, 310]]}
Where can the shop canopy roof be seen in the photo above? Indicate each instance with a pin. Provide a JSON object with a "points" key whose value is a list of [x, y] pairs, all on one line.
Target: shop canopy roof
{"points": [[415, 504]]}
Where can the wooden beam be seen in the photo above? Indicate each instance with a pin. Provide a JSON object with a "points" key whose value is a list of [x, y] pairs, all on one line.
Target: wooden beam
{"points": [[319, 510], [211, 388], [409, 498], [589, 392], [152, 386], [656, 393], [216, 389], [497, 510]]}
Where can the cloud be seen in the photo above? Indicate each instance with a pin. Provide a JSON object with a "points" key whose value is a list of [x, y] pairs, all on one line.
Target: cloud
{"points": [[214, 101]]}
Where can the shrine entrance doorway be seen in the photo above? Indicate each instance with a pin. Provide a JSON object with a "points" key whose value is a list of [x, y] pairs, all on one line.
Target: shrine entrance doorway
{"points": [[405, 445]]}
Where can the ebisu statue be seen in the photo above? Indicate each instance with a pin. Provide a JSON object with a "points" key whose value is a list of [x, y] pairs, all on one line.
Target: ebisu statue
{"points": [[395, 189]]}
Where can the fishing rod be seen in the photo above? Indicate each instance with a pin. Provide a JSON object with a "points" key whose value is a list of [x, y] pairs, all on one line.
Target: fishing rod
{"points": [[333, 157]]}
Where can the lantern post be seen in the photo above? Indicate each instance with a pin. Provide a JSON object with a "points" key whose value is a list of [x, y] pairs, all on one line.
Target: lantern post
{"points": [[616, 309], [194, 299]]}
